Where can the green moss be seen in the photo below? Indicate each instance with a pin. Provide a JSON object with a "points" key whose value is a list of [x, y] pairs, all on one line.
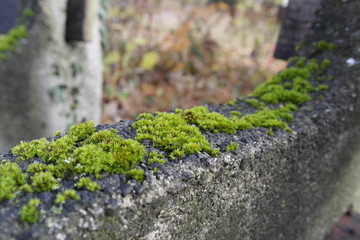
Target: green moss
{"points": [[325, 64], [137, 174], [255, 103], [232, 147], [231, 103], [81, 150], [322, 45], [55, 170], [82, 131], [171, 132], [28, 13], [299, 62], [105, 151], [11, 180], [9, 41], [156, 157], [44, 181], [26, 187], [58, 133], [29, 212], [268, 118], [299, 46], [88, 184], [274, 91], [320, 78], [28, 150], [322, 87], [213, 122], [58, 150], [67, 194], [292, 85], [37, 167], [235, 113]]}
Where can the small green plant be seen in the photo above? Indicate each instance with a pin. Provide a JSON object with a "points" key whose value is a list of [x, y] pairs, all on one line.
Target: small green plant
{"points": [[44, 181], [88, 184], [171, 132], [137, 174], [37, 167], [58, 133], [11, 179], [28, 150], [322, 45], [235, 113], [67, 194], [212, 121], [325, 64], [231, 103], [232, 147], [29, 212], [322, 87], [156, 157], [9, 41], [255, 103]]}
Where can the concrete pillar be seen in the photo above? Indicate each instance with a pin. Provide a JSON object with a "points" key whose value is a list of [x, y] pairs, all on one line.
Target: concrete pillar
{"points": [[49, 83]]}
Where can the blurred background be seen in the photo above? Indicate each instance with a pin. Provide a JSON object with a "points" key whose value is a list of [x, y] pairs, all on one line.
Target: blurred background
{"points": [[70, 61], [161, 54]]}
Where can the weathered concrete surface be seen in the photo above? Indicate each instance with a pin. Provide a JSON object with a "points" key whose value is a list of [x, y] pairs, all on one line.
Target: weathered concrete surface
{"points": [[286, 186], [49, 84]]}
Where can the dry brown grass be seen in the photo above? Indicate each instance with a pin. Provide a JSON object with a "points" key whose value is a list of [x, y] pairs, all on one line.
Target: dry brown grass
{"points": [[165, 55]]}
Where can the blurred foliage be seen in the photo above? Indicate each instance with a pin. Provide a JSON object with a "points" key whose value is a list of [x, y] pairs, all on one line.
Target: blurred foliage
{"points": [[168, 54]]}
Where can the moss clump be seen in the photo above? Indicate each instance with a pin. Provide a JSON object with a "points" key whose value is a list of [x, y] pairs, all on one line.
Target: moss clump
{"points": [[268, 118], [105, 151], [232, 147], [88, 184], [231, 103], [37, 167], [292, 84], [322, 87], [67, 194], [58, 150], [28, 150], [322, 45], [255, 103], [156, 158], [171, 132], [9, 41], [235, 113], [82, 131], [212, 121], [325, 64], [81, 150], [29, 212], [58, 133], [44, 181], [11, 180], [274, 91], [137, 174]]}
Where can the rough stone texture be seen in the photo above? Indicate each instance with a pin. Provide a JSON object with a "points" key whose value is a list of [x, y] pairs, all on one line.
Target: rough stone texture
{"points": [[49, 84], [286, 186]]}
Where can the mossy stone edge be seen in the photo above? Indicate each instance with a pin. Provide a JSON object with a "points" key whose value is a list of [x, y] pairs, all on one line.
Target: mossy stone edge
{"points": [[240, 137]]}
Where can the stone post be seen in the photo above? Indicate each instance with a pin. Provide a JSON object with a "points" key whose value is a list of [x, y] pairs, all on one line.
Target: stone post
{"points": [[50, 83]]}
